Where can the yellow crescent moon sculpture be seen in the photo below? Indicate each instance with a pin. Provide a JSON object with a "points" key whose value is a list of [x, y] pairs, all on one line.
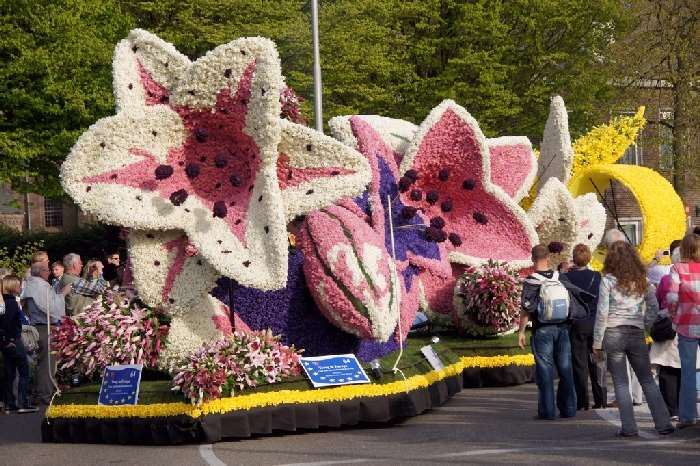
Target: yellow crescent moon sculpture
{"points": [[662, 210]]}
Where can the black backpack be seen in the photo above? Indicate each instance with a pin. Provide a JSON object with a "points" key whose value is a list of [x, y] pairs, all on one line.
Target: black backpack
{"points": [[662, 329]]}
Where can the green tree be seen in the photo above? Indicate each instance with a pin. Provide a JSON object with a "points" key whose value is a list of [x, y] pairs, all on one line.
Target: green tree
{"points": [[501, 59], [664, 47], [55, 80]]}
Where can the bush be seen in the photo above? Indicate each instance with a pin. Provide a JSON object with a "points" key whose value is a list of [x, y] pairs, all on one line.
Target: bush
{"points": [[89, 241], [487, 299], [21, 256]]}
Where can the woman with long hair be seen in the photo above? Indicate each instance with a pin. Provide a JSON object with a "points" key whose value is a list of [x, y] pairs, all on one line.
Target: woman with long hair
{"points": [[626, 303], [683, 300]]}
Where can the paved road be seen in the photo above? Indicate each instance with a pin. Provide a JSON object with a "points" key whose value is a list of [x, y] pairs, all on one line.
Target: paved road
{"points": [[494, 426]]}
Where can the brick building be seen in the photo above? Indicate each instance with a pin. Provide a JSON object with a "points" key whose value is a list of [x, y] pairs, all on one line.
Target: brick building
{"points": [[654, 149], [24, 212]]}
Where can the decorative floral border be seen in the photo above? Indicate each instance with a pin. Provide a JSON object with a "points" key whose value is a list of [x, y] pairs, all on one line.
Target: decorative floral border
{"points": [[258, 400]]}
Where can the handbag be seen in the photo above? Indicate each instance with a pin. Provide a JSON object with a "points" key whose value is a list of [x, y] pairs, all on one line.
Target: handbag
{"points": [[662, 330], [30, 339]]}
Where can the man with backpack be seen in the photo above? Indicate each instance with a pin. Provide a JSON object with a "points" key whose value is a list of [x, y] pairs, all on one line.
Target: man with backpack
{"points": [[550, 302]]}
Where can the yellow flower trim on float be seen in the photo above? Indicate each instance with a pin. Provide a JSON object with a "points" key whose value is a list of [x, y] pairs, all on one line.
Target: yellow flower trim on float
{"points": [[663, 214], [605, 144], [258, 400], [498, 361]]}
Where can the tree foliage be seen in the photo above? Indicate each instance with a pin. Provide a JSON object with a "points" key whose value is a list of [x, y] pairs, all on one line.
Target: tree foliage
{"points": [[664, 46], [501, 59]]}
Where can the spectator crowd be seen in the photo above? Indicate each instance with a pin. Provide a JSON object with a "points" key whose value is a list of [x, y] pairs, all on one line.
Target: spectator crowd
{"points": [[30, 306], [585, 325]]}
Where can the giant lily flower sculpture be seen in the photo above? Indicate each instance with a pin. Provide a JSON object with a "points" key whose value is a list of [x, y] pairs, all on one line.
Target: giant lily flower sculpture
{"points": [[200, 147], [447, 205]]}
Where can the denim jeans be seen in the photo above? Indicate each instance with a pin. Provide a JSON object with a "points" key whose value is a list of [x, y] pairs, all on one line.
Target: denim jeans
{"points": [[552, 348], [16, 363], [627, 343], [687, 403]]}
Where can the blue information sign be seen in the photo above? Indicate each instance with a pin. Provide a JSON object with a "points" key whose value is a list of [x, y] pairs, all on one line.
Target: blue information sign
{"points": [[338, 369], [120, 385]]}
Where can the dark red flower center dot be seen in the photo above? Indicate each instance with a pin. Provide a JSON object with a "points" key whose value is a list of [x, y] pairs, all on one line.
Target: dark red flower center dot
{"points": [[432, 197], [469, 184], [444, 174], [435, 234], [437, 222], [480, 218]]}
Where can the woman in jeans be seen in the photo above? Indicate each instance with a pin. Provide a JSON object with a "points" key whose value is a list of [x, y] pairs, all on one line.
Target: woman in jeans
{"points": [[624, 301], [683, 300]]}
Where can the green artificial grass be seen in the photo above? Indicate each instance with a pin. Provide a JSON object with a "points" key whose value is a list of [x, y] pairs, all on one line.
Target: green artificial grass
{"points": [[450, 348]]}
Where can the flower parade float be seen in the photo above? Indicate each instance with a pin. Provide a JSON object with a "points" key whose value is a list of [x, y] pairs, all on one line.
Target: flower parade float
{"points": [[255, 240]]}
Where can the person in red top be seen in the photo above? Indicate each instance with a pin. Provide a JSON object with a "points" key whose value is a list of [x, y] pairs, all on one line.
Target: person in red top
{"points": [[683, 300]]}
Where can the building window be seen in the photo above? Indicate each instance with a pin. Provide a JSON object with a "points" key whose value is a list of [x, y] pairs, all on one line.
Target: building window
{"points": [[633, 154], [665, 140], [632, 227], [53, 213]]}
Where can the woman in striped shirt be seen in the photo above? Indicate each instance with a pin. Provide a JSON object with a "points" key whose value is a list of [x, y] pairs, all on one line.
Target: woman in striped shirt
{"points": [[683, 300]]}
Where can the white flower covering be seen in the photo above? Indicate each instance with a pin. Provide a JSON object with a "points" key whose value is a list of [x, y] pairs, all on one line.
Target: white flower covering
{"points": [[556, 154], [165, 275], [554, 217], [306, 148], [160, 58], [259, 259], [590, 220], [189, 330]]}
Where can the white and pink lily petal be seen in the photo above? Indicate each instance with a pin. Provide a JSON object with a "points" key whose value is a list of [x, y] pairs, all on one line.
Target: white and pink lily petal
{"points": [[316, 170], [450, 163], [396, 134], [590, 220], [554, 215], [189, 330], [556, 151], [199, 152], [513, 165], [169, 271]]}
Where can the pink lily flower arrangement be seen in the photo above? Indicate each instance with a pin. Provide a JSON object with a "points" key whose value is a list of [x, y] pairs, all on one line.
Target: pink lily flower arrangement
{"points": [[111, 331]]}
